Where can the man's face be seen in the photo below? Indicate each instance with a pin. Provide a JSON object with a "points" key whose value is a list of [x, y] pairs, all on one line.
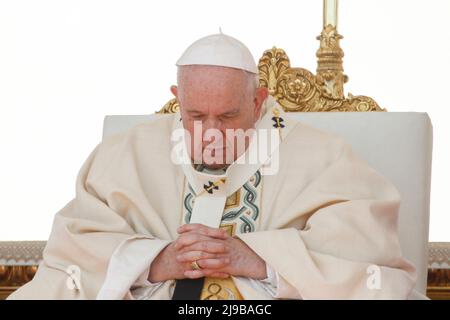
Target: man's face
{"points": [[214, 102]]}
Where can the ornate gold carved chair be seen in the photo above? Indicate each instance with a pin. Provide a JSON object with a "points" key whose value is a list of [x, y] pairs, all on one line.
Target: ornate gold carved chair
{"points": [[399, 137]]}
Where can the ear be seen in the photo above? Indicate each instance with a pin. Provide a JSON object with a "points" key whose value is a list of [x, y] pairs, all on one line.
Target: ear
{"points": [[174, 91], [261, 94]]}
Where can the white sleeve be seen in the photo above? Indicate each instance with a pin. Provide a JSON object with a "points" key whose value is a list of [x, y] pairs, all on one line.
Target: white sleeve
{"points": [[277, 286], [142, 289], [129, 265]]}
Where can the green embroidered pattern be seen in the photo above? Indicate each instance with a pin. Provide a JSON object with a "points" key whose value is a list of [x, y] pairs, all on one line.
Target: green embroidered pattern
{"points": [[244, 211]]}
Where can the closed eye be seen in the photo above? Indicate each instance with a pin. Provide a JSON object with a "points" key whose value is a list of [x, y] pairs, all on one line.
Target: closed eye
{"points": [[230, 115], [195, 115]]}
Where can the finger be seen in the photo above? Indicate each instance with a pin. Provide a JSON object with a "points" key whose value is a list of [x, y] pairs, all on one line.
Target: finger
{"points": [[188, 239], [189, 227], [202, 229], [194, 274], [206, 246], [213, 263], [221, 275], [190, 256]]}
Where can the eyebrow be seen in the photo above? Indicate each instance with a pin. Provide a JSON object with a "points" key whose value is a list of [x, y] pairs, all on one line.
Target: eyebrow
{"points": [[194, 112], [236, 110], [228, 113]]}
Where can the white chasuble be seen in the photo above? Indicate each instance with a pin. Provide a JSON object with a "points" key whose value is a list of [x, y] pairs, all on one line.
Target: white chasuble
{"points": [[325, 218]]}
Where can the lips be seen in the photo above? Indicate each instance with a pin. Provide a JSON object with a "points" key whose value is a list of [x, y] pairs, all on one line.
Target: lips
{"points": [[212, 147], [215, 149]]}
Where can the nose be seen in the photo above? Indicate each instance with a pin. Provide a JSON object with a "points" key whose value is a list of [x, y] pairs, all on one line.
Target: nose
{"points": [[212, 123], [212, 128]]}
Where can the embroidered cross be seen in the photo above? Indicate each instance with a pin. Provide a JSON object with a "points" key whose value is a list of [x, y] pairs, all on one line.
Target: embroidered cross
{"points": [[277, 119], [211, 186], [278, 122]]}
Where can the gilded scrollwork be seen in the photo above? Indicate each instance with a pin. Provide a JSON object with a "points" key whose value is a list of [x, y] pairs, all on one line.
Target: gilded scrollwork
{"points": [[170, 107], [298, 89]]}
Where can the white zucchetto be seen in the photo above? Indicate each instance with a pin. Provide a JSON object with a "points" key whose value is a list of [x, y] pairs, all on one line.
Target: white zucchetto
{"points": [[219, 50]]}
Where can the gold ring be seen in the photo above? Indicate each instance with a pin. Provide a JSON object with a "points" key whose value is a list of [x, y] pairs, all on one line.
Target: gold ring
{"points": [[195, 266]]}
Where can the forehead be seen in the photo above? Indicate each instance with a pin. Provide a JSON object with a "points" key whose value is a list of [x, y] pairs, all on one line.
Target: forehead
{"points": [[211, 103], [211, 89], [204, 71], [205, 78]]}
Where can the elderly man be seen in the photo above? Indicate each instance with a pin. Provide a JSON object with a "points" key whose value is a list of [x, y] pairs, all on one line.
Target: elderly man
{"points": [[164, 215]]}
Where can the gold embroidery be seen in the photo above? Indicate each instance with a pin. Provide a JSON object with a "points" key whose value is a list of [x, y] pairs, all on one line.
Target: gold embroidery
{"points": [[218, 288], [214, 290], [233, 200], [230, 228]]}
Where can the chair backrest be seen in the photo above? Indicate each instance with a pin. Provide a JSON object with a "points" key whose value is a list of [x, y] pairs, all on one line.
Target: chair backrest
{"points": [[396, 144]]}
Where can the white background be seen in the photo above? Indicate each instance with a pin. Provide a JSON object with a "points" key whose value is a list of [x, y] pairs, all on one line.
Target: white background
{"points": [[66, 64]]}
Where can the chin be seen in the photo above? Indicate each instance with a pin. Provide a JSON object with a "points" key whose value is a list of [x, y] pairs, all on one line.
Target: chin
{"points": [[216, 166]]}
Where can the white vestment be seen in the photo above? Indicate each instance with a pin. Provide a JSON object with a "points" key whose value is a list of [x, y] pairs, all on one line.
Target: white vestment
{"points": [[326, 223]]}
